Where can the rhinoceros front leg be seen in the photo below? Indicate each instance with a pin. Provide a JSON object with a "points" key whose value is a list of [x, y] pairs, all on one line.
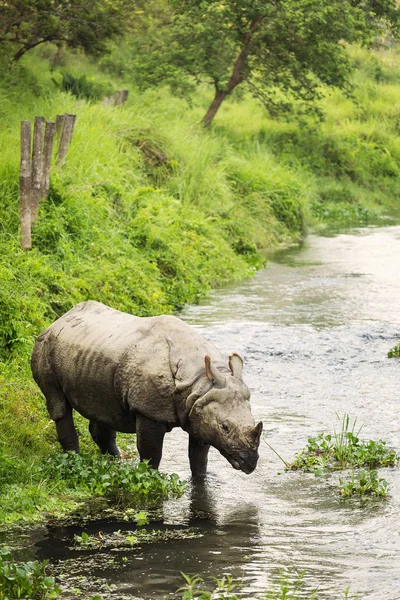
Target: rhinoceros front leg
{"points": [[105, 438], [198, 457], [149, 439]]}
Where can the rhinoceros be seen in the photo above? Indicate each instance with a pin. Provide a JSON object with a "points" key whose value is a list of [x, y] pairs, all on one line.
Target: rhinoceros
{"points": [[144, 375]]}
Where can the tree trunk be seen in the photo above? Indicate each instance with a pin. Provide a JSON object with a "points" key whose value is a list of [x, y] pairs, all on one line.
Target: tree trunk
{"points": [[219, 97], [237, 74]]}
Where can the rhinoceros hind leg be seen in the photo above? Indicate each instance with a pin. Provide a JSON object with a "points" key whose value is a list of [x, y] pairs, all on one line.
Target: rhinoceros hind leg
{"points": [[149, 439], [60, 411], [105, 438], [198, 457], [66, 432]]}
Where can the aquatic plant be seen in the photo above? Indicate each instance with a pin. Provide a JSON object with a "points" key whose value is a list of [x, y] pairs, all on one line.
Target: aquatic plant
{"points": [[394, 352], [27, 580], [342, 450], [123, 482], [289, 587], [364, 483], [223, 589]]}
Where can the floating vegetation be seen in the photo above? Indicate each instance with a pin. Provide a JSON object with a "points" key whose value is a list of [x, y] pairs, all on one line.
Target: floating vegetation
{"points": [[289, 587], [342, 450], [27, 580], [394, 352], [129, 539], [363, 483]]}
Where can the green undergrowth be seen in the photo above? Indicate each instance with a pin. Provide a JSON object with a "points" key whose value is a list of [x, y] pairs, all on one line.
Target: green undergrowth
{"points": [[67, 484]]}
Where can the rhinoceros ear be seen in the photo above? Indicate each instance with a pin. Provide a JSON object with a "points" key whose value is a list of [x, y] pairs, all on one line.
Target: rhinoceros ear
{"points": [[212, 372], [236, 365], [256, 434]]}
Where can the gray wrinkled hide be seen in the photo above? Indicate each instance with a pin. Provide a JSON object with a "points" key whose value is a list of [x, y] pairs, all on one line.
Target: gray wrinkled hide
{"points": [[144, 375]]}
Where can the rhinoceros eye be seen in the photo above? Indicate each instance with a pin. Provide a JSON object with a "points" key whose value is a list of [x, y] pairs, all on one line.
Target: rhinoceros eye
{"points": [[225, 426]]}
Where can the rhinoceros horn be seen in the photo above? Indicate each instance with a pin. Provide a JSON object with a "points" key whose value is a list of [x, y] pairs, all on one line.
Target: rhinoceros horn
{"points": [[213, 374], [236, 365]]}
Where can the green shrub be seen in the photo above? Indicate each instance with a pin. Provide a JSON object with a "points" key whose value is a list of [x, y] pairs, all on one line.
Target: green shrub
{"points": [[83, 87]]}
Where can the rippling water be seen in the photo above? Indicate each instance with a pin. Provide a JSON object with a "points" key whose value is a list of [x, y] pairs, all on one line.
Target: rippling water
{"points": [[313, 329]]}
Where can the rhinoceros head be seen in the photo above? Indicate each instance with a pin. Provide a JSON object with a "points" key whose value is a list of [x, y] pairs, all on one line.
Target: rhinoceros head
{"points": [[222, 416]]}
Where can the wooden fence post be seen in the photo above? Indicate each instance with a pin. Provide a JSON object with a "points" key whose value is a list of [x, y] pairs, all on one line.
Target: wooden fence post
{"points": [[60, 119], [124, 96], [37, 166], [25, 182], [66, 137], [47, 154]]}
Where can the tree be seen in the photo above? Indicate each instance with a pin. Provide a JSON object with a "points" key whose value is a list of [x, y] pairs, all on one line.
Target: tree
{"points": [[272, 46], [86, 24]]}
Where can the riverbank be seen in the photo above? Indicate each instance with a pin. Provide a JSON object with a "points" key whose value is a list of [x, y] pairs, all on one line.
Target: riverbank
{"points": [[151, 212]]}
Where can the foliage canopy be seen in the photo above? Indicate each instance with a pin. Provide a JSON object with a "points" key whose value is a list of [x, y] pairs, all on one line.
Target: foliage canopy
{"points": [[278, 48], [86, 24]]}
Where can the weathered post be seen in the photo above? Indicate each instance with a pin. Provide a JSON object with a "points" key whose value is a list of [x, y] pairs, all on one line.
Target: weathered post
{"points": [[117, 98], [47, 154], [37, 166], [66, 137], [60, 119], [124, 96], [25, 181]]}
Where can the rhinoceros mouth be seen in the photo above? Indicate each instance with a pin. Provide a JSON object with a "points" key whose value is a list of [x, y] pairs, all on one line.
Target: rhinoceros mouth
{"points": [[247, 465]]}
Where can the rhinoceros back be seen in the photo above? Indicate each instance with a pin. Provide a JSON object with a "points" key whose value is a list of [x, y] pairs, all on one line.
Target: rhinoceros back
{"points": [[111, 364], [83, 351]]}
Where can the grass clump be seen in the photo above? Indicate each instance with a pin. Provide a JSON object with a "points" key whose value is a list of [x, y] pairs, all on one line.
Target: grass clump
{"points": [[343, 450]]}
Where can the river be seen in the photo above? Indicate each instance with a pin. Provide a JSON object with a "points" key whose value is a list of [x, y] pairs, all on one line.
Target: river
{"points": [[314, 329]]}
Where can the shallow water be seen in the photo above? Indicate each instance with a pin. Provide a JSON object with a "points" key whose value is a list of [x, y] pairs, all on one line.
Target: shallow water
{"points": [[313, 329]]}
